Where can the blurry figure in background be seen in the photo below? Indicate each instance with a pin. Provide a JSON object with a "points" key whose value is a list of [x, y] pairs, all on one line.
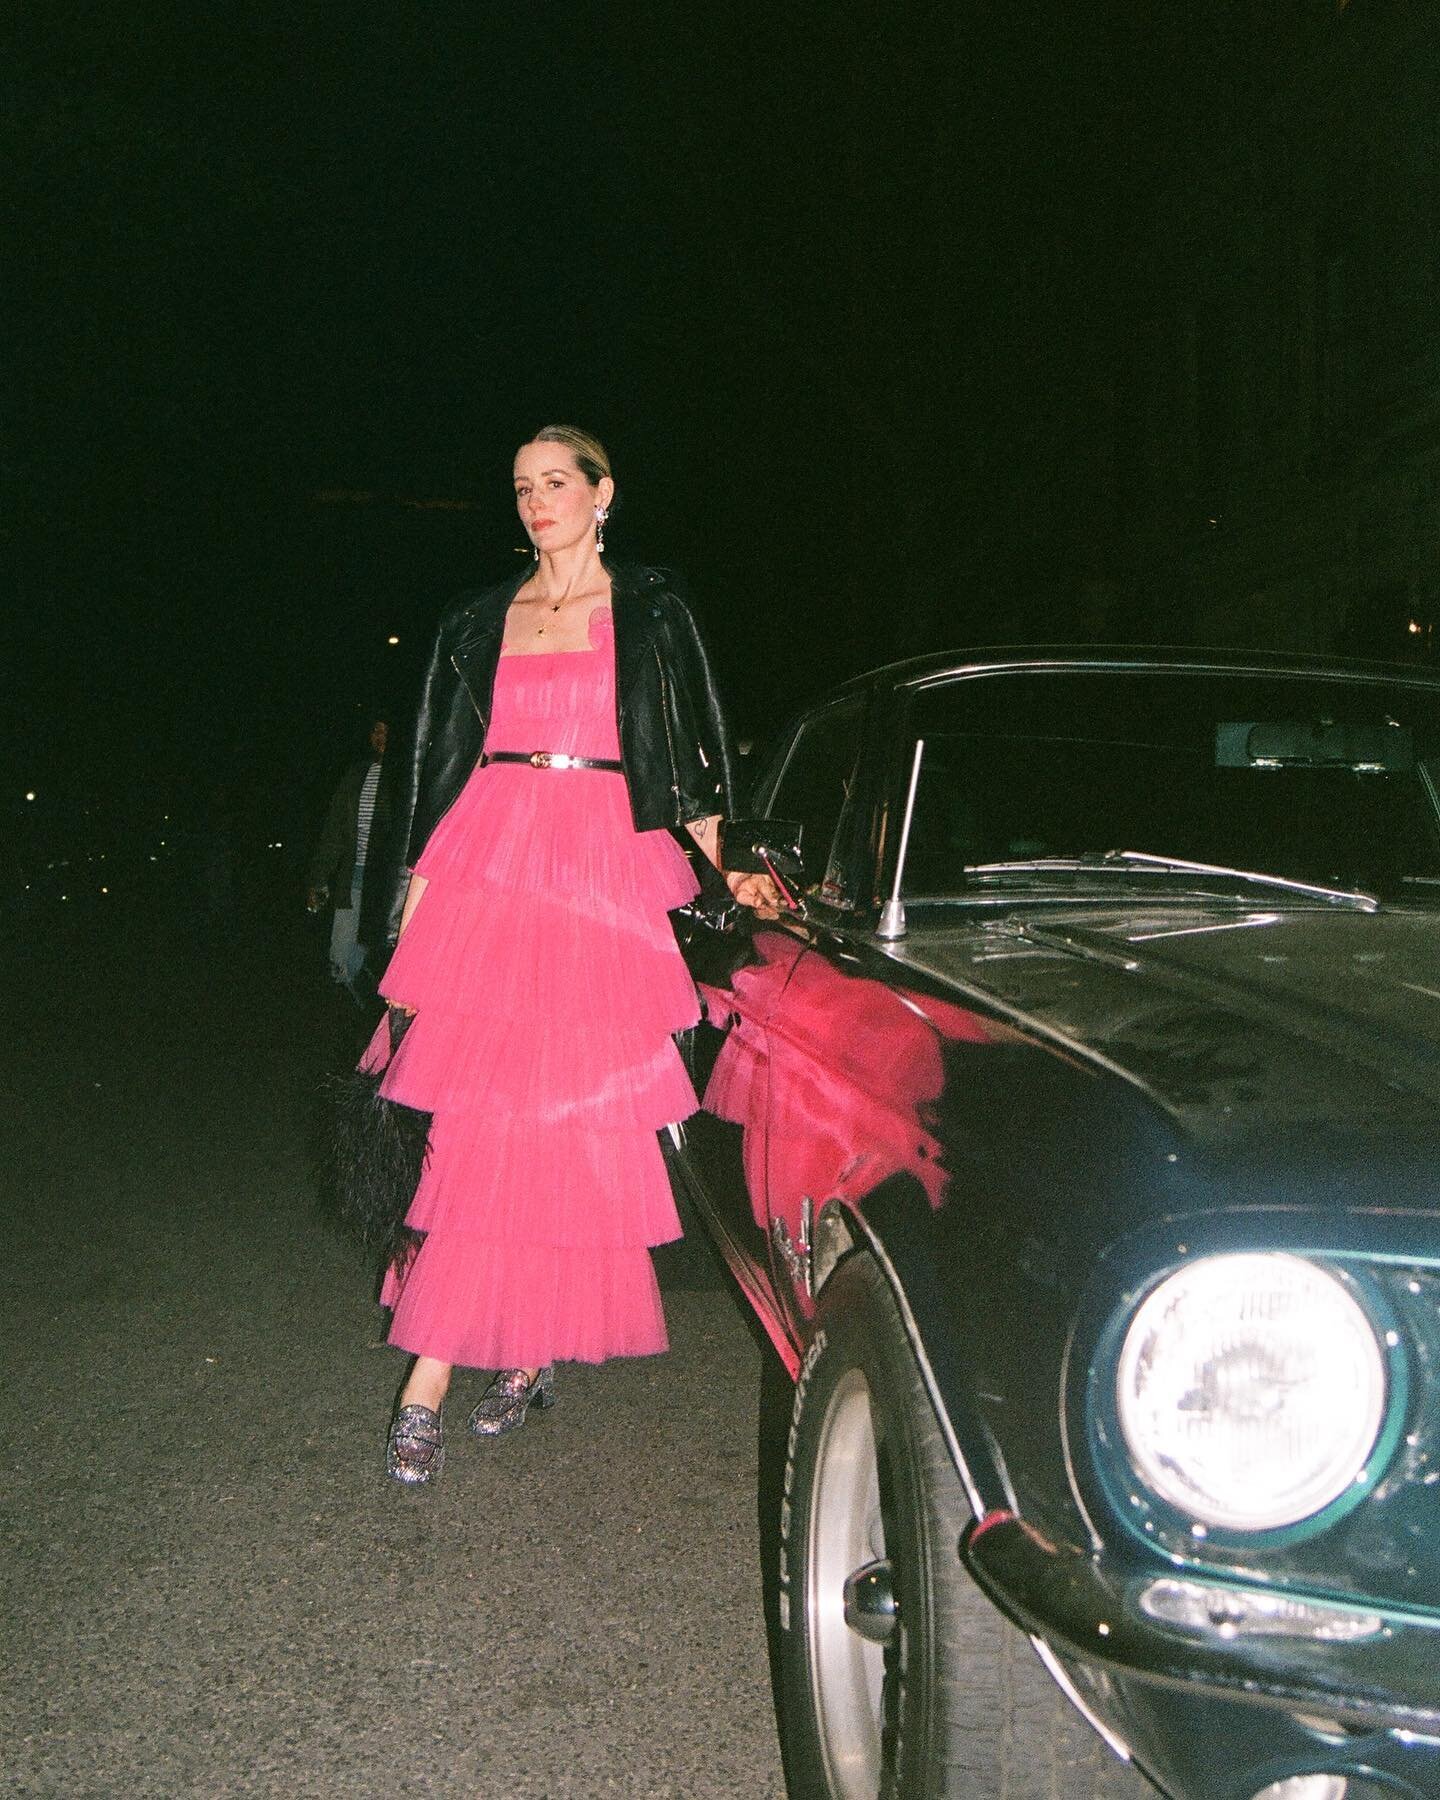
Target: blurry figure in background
{"points": [[357, 816]]}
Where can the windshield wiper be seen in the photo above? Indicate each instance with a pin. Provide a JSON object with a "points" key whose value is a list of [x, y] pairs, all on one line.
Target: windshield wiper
{"points": [[1125, 862]]}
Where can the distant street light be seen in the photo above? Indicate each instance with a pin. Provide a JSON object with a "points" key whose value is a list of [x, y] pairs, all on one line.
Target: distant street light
{"points": [[392, 640], [29, 793]]}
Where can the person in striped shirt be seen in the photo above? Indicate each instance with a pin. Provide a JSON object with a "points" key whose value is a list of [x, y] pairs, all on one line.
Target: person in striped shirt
{"points": [[355, 816]]}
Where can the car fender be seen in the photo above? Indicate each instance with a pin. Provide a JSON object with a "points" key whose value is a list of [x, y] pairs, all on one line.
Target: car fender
{"points": [[843, 1229]]}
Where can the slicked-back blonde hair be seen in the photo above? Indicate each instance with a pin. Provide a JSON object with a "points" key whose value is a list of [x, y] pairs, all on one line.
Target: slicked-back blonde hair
{"points": [[591, 457]]}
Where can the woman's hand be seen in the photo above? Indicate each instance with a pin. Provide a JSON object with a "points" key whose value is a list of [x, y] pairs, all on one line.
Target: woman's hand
{"points": [[756, 891]]}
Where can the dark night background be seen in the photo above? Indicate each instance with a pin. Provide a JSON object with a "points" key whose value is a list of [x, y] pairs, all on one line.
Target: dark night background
{"points": [[906, 326]]}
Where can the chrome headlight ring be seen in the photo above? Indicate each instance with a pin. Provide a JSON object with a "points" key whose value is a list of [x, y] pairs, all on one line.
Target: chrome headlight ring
{"points": [[1247, 1397]]}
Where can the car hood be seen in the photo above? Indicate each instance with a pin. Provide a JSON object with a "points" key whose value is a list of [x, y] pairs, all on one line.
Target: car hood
{"points": [[1238, 1022]]}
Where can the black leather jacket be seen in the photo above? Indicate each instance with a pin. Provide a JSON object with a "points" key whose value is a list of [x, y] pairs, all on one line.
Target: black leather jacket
{"points": [[673, 741]]}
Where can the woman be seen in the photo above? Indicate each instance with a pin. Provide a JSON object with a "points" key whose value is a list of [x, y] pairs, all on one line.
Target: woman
{"points": [[568, 719]]}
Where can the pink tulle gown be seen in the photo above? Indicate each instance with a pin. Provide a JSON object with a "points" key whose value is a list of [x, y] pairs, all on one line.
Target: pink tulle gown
{"points": [[546, 984]]}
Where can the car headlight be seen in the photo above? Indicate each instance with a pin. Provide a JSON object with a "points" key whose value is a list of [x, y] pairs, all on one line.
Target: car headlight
{"points": [[1250, 1390]]}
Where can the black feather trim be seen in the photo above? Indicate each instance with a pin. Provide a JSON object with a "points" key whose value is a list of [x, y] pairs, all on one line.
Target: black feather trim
{"points": [[378, 1150]]}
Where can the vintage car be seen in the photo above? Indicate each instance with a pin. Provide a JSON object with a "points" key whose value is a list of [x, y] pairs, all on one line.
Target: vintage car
{"points": [[1076, 1139]]}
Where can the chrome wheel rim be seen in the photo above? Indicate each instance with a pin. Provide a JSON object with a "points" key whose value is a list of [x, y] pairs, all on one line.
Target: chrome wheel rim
{"points": [[847, 1672]]}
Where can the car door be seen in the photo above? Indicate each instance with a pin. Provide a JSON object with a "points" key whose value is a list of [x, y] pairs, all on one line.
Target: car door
{"points": [[856, 1056], [742, 967]]}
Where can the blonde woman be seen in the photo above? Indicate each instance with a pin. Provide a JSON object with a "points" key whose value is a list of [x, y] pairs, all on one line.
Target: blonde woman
{"points": [[569, 725]]}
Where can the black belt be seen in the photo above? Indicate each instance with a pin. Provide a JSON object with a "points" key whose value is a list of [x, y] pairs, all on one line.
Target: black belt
{"points": [[555, 759]]}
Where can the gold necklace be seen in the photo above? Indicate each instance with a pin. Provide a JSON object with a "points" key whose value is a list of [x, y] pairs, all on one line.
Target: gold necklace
{"points": [[540, 629]]}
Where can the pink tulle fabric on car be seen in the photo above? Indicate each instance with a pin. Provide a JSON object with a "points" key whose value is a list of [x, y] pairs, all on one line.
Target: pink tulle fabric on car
{"points": [[547, 985]]}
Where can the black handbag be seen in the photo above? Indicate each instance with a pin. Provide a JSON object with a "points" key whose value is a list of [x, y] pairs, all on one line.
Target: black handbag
{"points": [[378, 1150]]}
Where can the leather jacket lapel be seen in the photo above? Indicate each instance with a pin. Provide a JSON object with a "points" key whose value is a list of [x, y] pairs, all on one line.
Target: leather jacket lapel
{"points": [[635, 617], [632, 606], [477, 652]]}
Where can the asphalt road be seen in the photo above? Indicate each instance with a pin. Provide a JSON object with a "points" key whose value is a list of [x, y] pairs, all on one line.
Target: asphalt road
{"points": [[209, 1587]]}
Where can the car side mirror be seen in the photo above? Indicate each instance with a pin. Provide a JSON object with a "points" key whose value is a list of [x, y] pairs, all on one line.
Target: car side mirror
{"points": [[762, 847]]}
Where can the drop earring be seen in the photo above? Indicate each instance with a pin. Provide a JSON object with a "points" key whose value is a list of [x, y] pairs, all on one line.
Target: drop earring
{"points": [[535, 552], [600, 529]]}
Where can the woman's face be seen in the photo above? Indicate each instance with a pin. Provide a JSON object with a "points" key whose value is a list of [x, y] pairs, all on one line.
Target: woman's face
{"points": [[555, 502]]}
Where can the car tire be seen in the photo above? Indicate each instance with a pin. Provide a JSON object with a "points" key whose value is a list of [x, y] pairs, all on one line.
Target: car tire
{"points": [[956, 1702]]}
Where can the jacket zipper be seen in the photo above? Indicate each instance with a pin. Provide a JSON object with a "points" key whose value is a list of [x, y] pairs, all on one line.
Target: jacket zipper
{"points": [[665, 719], [484, 729], [469, 696]]}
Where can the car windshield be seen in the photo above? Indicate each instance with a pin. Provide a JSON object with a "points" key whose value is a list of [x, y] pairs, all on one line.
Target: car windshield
{"points": [[1321, 781]]}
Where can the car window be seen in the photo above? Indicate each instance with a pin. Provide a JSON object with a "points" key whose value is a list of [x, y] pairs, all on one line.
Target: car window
{"points": [[815, 785], [1316, 780]]}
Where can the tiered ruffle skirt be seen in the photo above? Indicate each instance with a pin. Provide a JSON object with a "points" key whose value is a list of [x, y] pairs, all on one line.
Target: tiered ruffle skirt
{"points": [[547, 986]]}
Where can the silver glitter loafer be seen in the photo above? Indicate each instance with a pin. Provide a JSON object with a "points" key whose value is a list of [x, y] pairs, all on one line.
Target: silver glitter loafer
{"points": [[415, 1449], [507, 1401]]}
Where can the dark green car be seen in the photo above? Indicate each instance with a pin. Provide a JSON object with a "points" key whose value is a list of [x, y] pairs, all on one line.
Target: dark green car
{"points": [[1076, 1138]]}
